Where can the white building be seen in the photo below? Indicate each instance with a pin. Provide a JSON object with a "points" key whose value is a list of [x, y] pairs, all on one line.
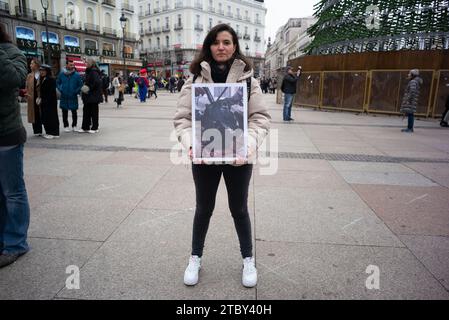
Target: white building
{"points": [[77, 29], [173, 30], [290, 41]]}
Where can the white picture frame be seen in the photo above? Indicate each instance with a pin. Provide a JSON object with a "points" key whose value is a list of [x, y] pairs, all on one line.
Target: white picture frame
{"points": [[219, 122]]}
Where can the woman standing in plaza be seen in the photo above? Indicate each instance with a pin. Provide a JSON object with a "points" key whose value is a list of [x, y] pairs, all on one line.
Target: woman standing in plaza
{"points": [[49, 103], [32, 93], [221, 61]]}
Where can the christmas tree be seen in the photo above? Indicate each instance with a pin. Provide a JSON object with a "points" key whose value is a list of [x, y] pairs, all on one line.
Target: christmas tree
{"points": [[379, 25]]}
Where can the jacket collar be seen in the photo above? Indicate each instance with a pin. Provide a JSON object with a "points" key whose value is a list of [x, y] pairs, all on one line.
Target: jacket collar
{"points": [[236, 73]]}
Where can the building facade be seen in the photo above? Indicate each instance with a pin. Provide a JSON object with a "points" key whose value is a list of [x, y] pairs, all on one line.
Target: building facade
{"points": [[77, 29], [290, 42], [172, 31]]}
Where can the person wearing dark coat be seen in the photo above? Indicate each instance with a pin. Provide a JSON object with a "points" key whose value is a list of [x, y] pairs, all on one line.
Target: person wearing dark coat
{"points": [[92, 97], [14, 204], [49, 103], [289, 89], [411, 98]]}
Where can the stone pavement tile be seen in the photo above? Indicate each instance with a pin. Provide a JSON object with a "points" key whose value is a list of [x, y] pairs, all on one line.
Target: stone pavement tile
{"points": [[78, 218], [290, 271], [433, 252], [53, 168], [30, 153], [147, 256], [409, 210], [370, 167], [110, 181], [318, 216], [70, 156], [41, 273], [134, 158], [415, 154], [387, 178], [36, 185], [350, 150], [304, 165], [302, 179], [438, 172]]}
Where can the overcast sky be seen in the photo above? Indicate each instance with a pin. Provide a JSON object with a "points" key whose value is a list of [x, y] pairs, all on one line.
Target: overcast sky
{"points": [[279, 11]]}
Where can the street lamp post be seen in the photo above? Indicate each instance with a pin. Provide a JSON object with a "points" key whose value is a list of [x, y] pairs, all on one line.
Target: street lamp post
{"points": [[123, 20], [45, 5]]}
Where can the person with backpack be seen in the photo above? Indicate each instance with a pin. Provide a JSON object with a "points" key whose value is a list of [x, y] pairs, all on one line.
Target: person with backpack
{"points": [[221, 61], [143, 84], [289, 89]]}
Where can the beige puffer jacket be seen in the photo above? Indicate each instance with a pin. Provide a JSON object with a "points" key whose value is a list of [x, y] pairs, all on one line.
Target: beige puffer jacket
{"points": [[258, 117]]}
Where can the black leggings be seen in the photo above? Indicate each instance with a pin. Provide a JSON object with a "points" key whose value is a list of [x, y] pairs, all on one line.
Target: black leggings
{"points": [[207, 178]]}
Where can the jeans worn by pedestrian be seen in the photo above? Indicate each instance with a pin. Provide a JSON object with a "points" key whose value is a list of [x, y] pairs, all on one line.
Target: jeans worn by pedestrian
{"points": [[14, 205], [288, 100]]}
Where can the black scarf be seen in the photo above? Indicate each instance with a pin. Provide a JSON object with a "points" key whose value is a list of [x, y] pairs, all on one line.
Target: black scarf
{"points": [[219, 75]]}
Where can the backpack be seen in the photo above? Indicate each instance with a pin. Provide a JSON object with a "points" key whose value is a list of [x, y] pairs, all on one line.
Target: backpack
{"points": [[248, 85]]}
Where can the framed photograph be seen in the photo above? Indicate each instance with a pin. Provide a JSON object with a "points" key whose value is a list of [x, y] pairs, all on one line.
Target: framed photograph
{"points": [[219, 121]]}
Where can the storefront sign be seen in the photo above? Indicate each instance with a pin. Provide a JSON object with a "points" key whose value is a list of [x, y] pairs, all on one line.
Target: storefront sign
{"points": [[108, 53], [91, 52], [73, 50], [120, 62], [55, 48], [27, 44]]}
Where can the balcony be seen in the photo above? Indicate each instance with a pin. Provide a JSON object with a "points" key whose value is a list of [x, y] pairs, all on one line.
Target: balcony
{"points": [[258, 22], [110, 3], [166, 29], [248, 19], [257, 39], [178, 26], [239, 16], [128, 7], [52, 19], [246, 37], [166, 8], [4, 6], [130, 36], [26, 13], [92, 27], [198, 6], [72, 24], [157, 30], [166, 48], [179, 5], [220, 11], [239, 35], [156, 10], [109, 32], [149, 31], [211, 9], [147, 13], [141, 32], [199, 27], [229, 15]]}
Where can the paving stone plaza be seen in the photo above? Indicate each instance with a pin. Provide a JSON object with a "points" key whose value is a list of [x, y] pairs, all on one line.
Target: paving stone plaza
{"points": [[356, 209]]}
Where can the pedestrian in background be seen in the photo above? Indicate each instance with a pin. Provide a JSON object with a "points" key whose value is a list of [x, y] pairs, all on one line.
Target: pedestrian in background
{"points": [[92, 97], [288, 87], [143, 83], [32, 94], [445, 116], [221, 61], [48, 103], [14, 205], [106, 83], [152, 87], [69, 84], [411, 99]]}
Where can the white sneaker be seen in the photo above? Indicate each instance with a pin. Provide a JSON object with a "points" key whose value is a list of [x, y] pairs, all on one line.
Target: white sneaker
{"points": [[48, 136], [249, 276], [192, 271], [67, 129], [82, 131], [93, 131], [75, 129]]}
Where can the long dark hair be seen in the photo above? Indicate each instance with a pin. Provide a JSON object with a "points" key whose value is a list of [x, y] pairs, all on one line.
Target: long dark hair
{"points": [[206, 55], [4, 37]]}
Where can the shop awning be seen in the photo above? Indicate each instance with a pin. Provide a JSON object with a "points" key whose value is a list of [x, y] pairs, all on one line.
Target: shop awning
{"points": [[80, 65]]}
